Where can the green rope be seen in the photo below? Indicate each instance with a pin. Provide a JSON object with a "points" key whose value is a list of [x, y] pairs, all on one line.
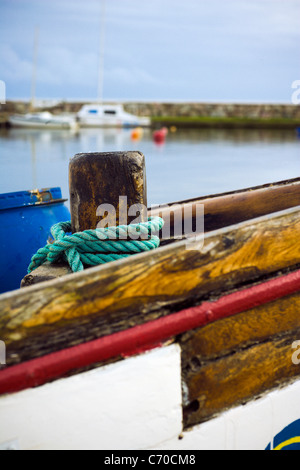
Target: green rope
{"points": [[94, 247]]}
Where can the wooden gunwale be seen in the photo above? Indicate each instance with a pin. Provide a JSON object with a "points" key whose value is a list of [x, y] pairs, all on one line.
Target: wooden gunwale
{"points": [[144, 337], [101, 301], [222, 210]]}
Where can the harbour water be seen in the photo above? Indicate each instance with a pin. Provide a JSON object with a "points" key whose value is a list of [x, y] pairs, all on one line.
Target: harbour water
{"points": [[189, 164]]}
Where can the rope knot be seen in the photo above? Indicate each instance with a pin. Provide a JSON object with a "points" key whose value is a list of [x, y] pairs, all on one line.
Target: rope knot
{"points": [[100, 246]]}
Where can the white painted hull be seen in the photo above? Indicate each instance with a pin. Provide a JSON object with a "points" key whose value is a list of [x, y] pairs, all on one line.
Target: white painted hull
{"points": [[28, 125], [24, 122], [90, 123], [86, 125], [109, 116], [137, 404]]}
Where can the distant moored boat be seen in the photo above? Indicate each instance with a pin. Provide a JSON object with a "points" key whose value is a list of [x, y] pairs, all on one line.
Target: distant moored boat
{"points": [[43, 120], [97, 115]]}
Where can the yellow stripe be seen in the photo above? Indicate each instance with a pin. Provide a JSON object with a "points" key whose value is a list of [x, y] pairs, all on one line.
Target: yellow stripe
{"points": [[294, 440]]}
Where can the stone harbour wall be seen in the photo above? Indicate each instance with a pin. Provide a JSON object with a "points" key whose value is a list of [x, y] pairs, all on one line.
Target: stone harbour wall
{"points": [[173, 110], [218, 110]]}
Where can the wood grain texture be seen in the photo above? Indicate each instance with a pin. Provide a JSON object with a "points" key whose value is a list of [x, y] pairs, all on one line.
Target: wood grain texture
{"points": [[239, 377], [235, 359], [219, 211], [46, 272], [101, 178], [145, 337], [103, 300], [231, 208], [240, 331]]}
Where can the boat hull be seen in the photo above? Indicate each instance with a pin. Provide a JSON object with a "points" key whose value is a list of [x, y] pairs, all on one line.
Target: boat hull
{"points": [[23, 123], [137, 404], [109, 116], [86, 123]]}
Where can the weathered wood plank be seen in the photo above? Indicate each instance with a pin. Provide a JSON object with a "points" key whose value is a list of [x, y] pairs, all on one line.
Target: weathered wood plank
{"points": [[239, 377], [46, 272], [227, 209], [106, 299], [239, 357], [219, 211], [240, 331]]}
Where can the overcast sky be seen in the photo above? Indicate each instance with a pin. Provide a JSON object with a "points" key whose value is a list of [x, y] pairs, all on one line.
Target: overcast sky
{"points": [[200, 50]]}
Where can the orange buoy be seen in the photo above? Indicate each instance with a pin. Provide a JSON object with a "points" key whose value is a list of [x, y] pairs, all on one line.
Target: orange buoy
{"points": [[137, 133]]}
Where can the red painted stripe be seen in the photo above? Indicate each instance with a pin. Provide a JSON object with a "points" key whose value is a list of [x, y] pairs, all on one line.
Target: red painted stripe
{"points": [[143, 337]]}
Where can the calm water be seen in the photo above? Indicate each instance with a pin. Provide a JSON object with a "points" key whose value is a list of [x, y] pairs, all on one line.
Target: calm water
{"points": [[189, 164]]}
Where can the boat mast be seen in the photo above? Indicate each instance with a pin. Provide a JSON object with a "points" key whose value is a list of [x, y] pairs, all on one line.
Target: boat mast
{"points": [[34, 67], [101, 52]]}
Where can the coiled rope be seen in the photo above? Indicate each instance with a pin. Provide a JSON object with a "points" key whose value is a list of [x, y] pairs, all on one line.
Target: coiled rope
{"points": [[94, 247]]}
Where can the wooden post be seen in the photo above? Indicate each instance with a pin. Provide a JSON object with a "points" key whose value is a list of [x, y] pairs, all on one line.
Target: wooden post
{"points": [[99, 180], [106, 189]]}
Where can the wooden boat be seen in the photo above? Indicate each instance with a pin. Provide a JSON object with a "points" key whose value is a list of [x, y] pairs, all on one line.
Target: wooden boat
{"points": [[182, 349]]}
